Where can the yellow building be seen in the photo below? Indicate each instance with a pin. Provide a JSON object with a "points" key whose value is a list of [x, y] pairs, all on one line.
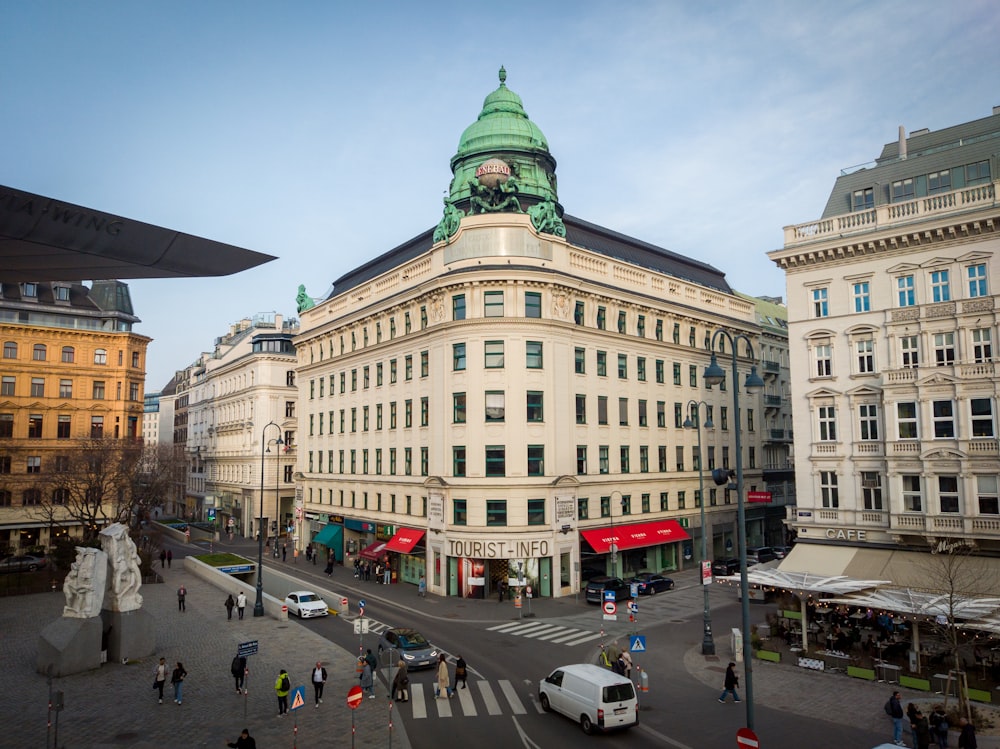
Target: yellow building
{"points": [[71, 369]]}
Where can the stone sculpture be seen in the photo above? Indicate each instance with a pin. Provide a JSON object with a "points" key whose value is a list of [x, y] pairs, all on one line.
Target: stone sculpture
{"points": [[84, 585], [125, 578], [303, 300]]}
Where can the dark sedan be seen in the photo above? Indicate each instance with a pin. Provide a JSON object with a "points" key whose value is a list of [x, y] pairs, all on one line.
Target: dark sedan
{"points": [[22, 563], [725, 567], [648, 583]]}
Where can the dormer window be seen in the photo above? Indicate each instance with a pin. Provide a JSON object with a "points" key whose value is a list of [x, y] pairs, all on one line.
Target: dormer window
{"points": [[29, 290], [61, 293]]}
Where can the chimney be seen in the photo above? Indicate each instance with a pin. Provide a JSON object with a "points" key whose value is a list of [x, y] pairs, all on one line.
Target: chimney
{"points": [[902, 142]]}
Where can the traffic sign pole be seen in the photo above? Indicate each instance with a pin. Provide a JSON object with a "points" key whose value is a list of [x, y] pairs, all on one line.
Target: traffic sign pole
{"points": [[354, 697]]}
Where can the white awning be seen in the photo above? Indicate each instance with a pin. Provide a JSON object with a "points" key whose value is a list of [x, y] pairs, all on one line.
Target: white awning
{"points": [[818, 559]]}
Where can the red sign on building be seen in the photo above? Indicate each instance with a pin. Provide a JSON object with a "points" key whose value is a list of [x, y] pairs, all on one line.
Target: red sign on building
{"points": [[758, 496]]}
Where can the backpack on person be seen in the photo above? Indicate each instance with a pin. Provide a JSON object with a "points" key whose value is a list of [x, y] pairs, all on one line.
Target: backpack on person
{"points": [[236, 668], [285, 684], [888, 707]]}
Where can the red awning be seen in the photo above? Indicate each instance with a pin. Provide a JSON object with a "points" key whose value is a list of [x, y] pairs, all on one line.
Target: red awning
{"points": [[404, 540], [635, 535], [375, 552]]}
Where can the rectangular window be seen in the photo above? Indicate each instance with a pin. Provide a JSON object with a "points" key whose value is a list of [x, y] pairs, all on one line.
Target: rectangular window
{"points": [[35, 423], [603, 459], [493, 304], [601, 318], [407, 369], [677, 374], [863, 200], [644, 460], [378, 377], [496, 512], [458, 307], [34, 464], [493, 354], [902, 189], [681, 500], [982, 417], [829, 493], [989, 499], [392, 415], [640, 326], [407, 414], [602, 409], [536, 460], [581, 460], [940, 288], [871, 490], [65, 388], [623, 412], [622, 366], [532, 304], [820, 302], [63, 427], [868, 416], [623, 458], [581, 408], [392, 374], [458, 356], [580, 361], [693, 375], [423, 317], [679, 457], [602, 364], [827, 424], [133, 391], [824, 360], [38, 352], [8, 385], [378, 417], [496, 460], [9, 350], [678, 415], [862, 296], [906, 296], [910, 351], [640, 368], [424, 366], [939, 181], [621, 322], [976, 275], [661, 414], [944, 349], [38, 387], [692, 336], [578, 313], [660, 371], [948, 493], [977, 173], [643, 418], [533, 354], [424, 413], [866, 356], [96, 427], [661, 458], [534, 402], [582, 508], [677, 333], [906, 420], [407, 461], [458, 408], [982, 345], [495, 406], [460, 512], [536, 512]]}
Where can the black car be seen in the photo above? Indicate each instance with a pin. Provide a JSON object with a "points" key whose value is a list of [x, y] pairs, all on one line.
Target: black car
{"points": [[648, 583], [597, 586], [725, 567], [760, 554]]}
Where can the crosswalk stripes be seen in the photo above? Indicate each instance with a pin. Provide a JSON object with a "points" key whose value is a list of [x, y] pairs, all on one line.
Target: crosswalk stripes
{"points": [[553, 633], [423, 705]]}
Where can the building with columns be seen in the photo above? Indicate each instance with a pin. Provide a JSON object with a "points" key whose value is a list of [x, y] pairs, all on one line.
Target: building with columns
{"points": [[892, 320], [501, 397]]}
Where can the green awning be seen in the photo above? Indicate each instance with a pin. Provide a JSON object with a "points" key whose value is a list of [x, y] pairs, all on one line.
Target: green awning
{"points": [[329, 534]]}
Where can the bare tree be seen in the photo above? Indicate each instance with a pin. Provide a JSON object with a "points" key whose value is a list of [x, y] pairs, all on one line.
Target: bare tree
{"points": [[151, 478]]}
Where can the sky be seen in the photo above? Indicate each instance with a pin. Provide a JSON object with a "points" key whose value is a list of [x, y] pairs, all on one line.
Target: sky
{"points": [[321, 132]]}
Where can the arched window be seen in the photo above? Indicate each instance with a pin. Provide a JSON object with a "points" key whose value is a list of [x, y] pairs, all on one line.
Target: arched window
{"points": [[38, 352], [101, 356], [68, 354]]}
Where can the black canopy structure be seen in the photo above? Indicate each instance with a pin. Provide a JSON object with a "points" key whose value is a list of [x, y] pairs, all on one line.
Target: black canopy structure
{"points": [[44, 239]]}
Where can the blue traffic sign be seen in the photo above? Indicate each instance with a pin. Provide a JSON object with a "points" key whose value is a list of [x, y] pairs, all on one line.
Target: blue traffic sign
{"points": [[298, 698], [633, 607], [637, 643], [247, 648], [609, 595]]}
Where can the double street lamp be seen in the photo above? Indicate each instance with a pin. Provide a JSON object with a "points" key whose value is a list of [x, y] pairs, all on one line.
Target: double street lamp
{"points": [[716, 375], [258, 606], [707, 643]]}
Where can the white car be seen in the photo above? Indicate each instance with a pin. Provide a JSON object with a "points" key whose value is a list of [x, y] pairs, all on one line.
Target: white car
{"points": [[305, 603]]}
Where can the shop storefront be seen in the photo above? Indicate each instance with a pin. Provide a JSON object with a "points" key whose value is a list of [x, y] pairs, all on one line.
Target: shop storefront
{"points": [[326, 534], [474, 568], [656, 546], [408, 555]]}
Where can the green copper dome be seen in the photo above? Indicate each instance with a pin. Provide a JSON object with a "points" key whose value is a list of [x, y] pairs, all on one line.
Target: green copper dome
{"points": [[519, 174]]}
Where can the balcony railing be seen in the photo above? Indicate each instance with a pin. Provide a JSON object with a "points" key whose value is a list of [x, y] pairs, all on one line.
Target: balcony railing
{"points": [[781, 435], [772, 400], [771, 367]]}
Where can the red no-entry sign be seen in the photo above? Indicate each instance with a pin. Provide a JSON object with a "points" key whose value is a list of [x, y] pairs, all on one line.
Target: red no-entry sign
{"points": [[745, 739], [610, 607], [354, 696]]}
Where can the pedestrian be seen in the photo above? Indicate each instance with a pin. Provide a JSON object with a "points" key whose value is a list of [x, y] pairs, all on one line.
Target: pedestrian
{"points": [[401, 683], [921, 731], [895, 711], [619, 665], [170, 557], [230, 604], [939, 726], [732, 681], [967, 734], [181, 595], [241, 603], [163, 558], [284, 551], [368, 571], [443, 680], [366, 678], [309, 552], [378, 573], [318, 680], [371, 660], [422, 587], [388, 574], [500, 590], [177, 679], [461, 673], [329, 567], [160, 677], [282, 686], [911, 719], [357, 568], [315, 554], [238, 668], [627, 660], [245, 741]]}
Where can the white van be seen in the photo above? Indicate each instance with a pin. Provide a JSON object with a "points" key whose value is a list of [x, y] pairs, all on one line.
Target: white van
{"points": [[600, 699]]}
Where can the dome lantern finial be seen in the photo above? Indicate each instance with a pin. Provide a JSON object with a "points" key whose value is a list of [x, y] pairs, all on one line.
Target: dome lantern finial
{"points": [[503, 76]]}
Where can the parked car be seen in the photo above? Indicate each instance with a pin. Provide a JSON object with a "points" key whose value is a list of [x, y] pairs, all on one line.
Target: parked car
{"points": [[596, 697], [725, 567], [781, 551], [22, 563], [305, 604], [760, 554], [411, 646], [649, 583], [597, 586]]}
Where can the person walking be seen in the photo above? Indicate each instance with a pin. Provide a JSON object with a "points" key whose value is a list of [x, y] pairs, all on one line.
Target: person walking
{"points": [[939, 726], [245, 741], [318, 680], [367, 679], [357, 568], [388, 575], [895, 711], [501, 588], [241, 603], [911, 721], [461, 673], [732, 681], [967, 734], [160, 677], [177, 679], [443, 680], [401, 683], [181, 595], [422, 587], [284, 552], [309, 552], [921, 731], [230, 605], [170, 557], [282, 686], [238, 668], [163, 558], [627, 660]]}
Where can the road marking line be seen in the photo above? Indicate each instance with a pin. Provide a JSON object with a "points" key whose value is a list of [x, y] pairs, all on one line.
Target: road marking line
{"points": [[561, 631], [492, 706], [468, 704], [443, 704], [417, 698], [504, 627], [515, 702]]}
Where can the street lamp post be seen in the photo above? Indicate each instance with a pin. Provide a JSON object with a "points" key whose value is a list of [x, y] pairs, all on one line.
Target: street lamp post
{"points": [[716, 375], [707, 643], [258, 606], [613, 546]]}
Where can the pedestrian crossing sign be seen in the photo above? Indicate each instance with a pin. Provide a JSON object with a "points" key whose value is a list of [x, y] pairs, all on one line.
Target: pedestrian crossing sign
{"points": [[638, 644], [298, 697]]}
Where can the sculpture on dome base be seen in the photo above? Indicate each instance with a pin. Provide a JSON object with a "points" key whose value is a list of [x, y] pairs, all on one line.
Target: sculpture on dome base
{"points": [[545, 219], [449, 223], [501, 198]]}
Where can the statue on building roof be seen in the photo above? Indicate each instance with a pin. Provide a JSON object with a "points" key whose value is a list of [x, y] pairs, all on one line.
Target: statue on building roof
{"points": [[545, 219], [449, 222], [304, 301]]}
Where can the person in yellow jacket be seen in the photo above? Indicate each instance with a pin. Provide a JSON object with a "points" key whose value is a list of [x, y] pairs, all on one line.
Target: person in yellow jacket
{"points": [[282, 686]]}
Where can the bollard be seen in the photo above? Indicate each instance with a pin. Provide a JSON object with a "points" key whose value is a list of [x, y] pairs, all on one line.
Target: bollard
{"points": [[643, 681]]}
